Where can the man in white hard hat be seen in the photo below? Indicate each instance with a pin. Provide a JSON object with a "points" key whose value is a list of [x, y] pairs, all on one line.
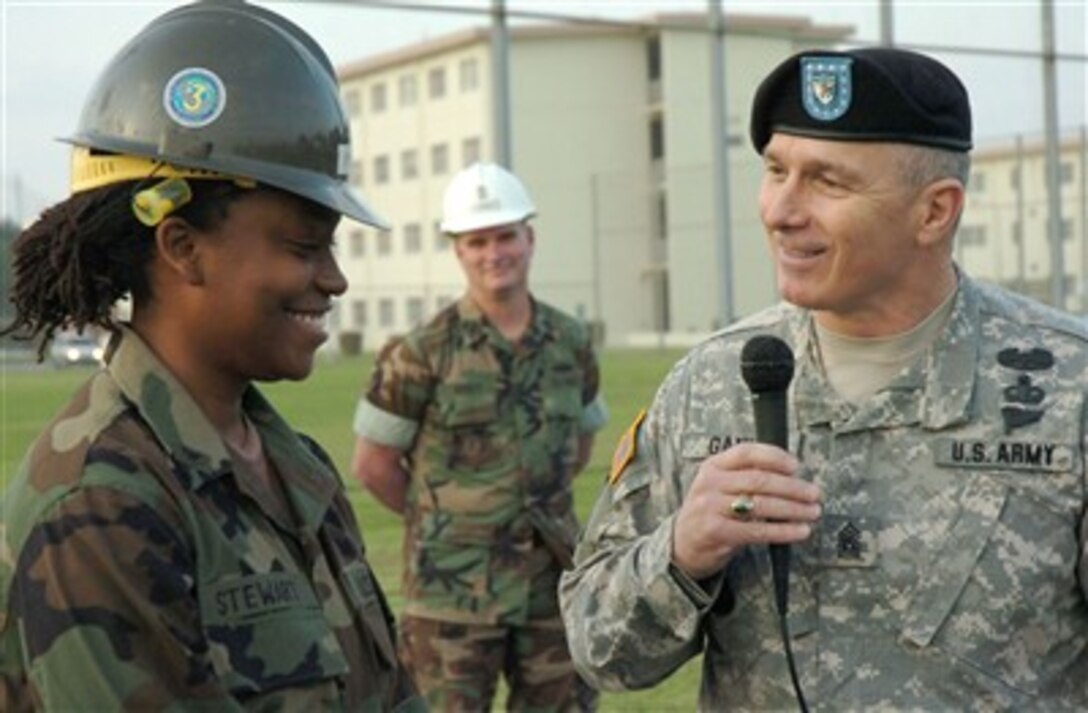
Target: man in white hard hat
{"points": [[473, 427]]}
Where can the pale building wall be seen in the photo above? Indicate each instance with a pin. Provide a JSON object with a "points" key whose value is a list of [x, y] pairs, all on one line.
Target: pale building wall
{"points": [[988, 244], [428, 272], [582, 103], [580, 143], [693, 257], [748, 61]]}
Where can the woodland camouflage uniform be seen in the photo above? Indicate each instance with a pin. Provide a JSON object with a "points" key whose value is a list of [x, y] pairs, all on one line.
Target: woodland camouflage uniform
{"points": [[491, 432], [261, 608]]}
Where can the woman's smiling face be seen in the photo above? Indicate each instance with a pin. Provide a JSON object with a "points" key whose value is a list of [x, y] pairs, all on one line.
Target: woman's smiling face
{"points": [[270, 277]]}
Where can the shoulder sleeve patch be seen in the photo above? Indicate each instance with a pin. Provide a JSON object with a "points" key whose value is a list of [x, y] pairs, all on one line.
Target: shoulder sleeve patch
{"points": [[625, 449]]}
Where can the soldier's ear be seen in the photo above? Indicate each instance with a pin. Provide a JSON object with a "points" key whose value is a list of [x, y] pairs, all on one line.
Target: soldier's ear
{"points": [[179, 249], [941, 205]]}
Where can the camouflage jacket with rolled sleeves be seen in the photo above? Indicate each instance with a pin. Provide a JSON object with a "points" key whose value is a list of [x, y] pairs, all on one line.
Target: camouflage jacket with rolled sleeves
{"points": [[491, 431], [141, 569], [949, 569]]}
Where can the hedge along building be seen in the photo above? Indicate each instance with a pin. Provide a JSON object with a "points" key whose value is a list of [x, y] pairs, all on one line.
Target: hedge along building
{"points": [[610, 133]]}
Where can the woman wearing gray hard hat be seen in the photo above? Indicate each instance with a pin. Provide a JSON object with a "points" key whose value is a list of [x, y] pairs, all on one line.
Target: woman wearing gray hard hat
{"points": [[169, 541]]}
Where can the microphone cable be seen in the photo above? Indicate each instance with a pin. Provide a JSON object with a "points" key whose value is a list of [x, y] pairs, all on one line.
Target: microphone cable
{"points": [[781, 601]]}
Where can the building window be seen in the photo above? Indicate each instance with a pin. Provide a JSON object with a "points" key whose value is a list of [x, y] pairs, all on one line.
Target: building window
{"points": [[413, 238], [441, 240], [653, 58], [972, 235], [385, 242], [355, 173], [409, 164], [1067, 229], [407, 89], [440, 159], [1070, 283], [381, 169], [1014, 177], [357, 242], [1017, 232], [469, 74], [377, 98], [413, 308], [436, 83], [1065, 170], [662, 216], [470, 151], [386, 312], [358, 313], [657, 138], [977, 182], [353, 102]]}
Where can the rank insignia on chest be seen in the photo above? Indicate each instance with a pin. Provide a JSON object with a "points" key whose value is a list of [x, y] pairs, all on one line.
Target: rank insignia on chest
{"points": [[849, 542], [626, 449]]}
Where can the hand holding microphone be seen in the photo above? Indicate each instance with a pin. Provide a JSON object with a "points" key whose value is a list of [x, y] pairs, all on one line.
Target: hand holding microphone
{"points": [[748, 495]]}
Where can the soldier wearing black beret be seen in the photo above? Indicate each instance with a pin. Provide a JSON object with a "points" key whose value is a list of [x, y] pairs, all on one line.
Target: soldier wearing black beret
{"points": [[876, 94], [934, 490]]}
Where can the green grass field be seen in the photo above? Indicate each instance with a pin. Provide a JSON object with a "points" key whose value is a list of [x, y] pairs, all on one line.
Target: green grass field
{"points": [[322, 407]]}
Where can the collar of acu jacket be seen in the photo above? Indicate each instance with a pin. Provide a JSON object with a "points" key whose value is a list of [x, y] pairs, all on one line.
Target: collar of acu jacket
{"points": [[193, 442], [946, 379]]}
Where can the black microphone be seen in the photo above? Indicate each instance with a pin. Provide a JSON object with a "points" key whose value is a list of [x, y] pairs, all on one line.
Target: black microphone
{"points": [[766, 363]]}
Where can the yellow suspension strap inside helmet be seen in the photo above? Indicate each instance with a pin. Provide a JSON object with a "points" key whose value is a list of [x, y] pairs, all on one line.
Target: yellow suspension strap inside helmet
{"points": [[151, 205]]}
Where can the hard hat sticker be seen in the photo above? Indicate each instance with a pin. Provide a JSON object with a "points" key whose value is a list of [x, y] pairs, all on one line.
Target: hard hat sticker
{"points": [[343, 161], [194, 97]]}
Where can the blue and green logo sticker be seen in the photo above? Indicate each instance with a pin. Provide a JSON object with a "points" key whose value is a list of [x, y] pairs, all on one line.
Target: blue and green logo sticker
{"points": [[826, 86], [194, 97]]}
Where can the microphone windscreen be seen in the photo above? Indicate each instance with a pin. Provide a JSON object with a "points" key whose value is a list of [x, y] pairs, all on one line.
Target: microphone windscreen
{"points": [[766, 363]]}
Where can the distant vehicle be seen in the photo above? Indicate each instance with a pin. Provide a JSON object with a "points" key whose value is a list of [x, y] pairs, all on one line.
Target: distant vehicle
{"points": [[73, 349]]}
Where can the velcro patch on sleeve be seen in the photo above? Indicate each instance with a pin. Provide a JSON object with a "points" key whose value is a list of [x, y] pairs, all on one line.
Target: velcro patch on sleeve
{"points": [[626, 449]]}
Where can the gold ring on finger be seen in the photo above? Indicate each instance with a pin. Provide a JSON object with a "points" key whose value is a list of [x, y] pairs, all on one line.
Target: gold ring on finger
{"points": [[743, 506]]}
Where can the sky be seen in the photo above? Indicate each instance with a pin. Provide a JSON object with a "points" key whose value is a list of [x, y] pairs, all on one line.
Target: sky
{"points": [[52, 50]]}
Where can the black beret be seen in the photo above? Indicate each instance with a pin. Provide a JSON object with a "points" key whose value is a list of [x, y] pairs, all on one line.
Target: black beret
{"points": [[873, 94]]}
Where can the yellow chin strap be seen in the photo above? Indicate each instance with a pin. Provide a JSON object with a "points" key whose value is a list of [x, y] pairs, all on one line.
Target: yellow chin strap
{"points": [[151, 205]]}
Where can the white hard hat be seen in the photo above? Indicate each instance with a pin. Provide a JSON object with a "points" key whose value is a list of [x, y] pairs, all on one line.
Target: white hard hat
{"points": [[482, 196]]}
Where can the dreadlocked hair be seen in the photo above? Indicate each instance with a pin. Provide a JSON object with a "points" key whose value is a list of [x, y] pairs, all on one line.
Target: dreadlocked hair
{"points": [[82, 255]]}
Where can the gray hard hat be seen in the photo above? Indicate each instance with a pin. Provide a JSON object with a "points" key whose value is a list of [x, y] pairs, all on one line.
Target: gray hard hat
{"points": [[231, 88]]}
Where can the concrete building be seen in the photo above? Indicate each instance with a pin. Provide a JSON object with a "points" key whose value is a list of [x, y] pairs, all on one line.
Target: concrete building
{"points": [[610, 132], [1003, 235]]}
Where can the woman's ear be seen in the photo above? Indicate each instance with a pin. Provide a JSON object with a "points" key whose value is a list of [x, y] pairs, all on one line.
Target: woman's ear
{"points": [[179, 249], [942, 204]]}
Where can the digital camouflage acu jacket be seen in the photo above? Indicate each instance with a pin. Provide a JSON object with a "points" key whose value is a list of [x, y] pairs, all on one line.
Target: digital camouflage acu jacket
{"points": [[491, 432], [141, 570], [948, 570]]}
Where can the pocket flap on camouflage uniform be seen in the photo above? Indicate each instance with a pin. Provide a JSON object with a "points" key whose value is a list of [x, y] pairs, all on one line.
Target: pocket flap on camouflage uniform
{"points": [[442, 527], [359, 584], [468, 402], [272, 618], [561, 392]]}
